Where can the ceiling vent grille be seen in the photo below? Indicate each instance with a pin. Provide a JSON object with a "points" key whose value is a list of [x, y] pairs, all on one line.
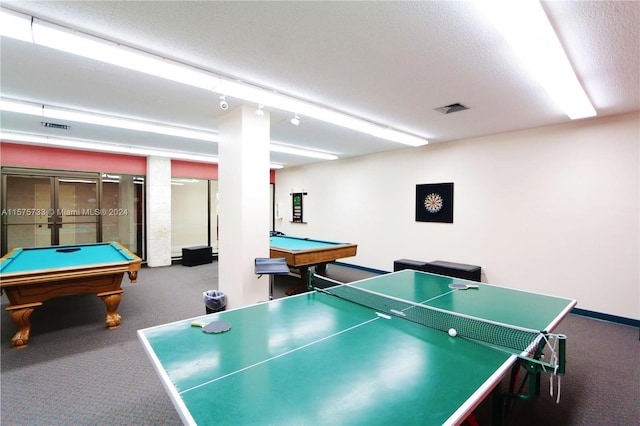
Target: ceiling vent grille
{"points": [[55, 125], [450, 109]]}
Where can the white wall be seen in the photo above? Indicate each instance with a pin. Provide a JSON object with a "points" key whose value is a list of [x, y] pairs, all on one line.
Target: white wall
{"points": [[189, 214], [553, 210]]}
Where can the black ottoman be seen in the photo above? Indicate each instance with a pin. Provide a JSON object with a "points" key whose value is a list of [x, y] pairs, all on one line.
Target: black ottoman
{"points": [[197, 255]]}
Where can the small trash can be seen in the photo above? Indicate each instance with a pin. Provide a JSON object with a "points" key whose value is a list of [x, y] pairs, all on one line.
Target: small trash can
{"points": [[214, 301]]}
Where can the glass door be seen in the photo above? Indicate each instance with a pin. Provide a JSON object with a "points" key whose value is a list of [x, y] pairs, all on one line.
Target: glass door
{"points": [[27, 208], [49, 210], [77, 215]]}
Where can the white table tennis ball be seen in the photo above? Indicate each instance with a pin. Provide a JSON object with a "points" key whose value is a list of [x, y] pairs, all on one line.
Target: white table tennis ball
{"points": [[453, 332]]}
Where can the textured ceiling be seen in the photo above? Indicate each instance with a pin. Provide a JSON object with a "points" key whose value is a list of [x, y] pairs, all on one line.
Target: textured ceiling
{"points": [[387, 62]]}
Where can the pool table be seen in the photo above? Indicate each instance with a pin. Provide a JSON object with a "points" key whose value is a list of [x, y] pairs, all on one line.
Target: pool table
{"points": [[30, 276], [301, 253]]}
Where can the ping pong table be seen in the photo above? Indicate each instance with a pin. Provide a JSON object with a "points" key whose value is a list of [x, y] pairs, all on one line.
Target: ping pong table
{"points": [[315, 358]]}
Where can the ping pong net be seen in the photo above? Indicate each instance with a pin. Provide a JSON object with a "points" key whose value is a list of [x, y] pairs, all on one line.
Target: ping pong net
{"points": [[525, 343]]}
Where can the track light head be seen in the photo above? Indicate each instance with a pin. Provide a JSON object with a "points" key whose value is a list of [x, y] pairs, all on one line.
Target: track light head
{"points": [[223, 103], [295, 121], [259, 111]]}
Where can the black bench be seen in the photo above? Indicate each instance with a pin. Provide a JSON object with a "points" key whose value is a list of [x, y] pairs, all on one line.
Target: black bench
{"points": [[441, 267], [399, 265]]}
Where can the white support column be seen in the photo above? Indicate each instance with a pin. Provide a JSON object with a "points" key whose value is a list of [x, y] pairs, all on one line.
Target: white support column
{"points": [[158, 206], [243, 174]]}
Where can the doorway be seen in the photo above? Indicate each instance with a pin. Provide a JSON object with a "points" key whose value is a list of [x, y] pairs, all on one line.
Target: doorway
{"points": [[50, 210]]}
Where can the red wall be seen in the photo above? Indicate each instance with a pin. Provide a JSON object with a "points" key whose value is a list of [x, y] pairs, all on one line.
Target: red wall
{"points": [[16, 155], [188, 169], [41, 157]]}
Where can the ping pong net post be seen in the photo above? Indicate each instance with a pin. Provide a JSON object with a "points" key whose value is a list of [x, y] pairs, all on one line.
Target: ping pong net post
{"points": [[525, 343]]}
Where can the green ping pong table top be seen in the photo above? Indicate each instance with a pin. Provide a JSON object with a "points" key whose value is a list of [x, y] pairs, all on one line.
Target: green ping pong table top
{"points": [[317, 359]]}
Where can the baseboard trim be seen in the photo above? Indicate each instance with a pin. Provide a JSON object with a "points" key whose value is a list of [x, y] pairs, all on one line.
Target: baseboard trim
{"points": [[361, 268], [178, 260], [606, 317], [577, 311]]}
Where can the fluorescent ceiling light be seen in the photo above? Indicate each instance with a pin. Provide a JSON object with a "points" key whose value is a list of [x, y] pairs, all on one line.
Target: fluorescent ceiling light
{"points": [[15, 25], [21, 107], [56, 37], [528, 31], [23, 27], [103, 147], [123, 123], [100, 146], [104, 120], [285, 149], [67, 40], [279, 101]]}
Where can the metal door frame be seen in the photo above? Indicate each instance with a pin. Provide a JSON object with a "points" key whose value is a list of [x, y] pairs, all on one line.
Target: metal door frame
{"points": [[55, 219]]}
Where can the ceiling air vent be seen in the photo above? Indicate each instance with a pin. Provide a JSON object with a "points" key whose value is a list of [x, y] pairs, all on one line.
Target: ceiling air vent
{"points": [[450, 109], [55, 125]]}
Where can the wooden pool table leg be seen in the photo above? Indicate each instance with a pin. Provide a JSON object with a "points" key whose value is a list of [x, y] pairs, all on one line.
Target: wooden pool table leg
{"points": [[111, 300], [321, 269], [21, 315], [303, 285]]}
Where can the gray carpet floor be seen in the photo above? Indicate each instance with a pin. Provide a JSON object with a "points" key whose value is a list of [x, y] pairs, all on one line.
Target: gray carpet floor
{"points": [[76, 372]]}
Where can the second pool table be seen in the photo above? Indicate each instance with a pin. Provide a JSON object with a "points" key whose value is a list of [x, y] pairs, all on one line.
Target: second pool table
{"points": [[301, 253], [30, 276]]}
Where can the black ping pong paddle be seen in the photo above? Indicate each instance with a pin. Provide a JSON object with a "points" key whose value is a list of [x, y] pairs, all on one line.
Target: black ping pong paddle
{"points": [[457, 286], [214, 327]]}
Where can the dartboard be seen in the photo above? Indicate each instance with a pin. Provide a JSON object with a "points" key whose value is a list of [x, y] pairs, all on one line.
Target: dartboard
{"points": [[433, 202]]}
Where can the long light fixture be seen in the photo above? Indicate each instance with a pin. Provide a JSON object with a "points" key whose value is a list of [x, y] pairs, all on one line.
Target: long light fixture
{"points": [[30, 108], [88, 145], [26, 28], [302, 108], [105, 120], [528, 31], [102, 146], [22, 27], [287, 149], [15, 25]]}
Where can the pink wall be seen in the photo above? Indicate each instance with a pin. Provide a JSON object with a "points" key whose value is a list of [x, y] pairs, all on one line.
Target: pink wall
{"points": [[188, 169], [41, 157], [33, 156]]}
